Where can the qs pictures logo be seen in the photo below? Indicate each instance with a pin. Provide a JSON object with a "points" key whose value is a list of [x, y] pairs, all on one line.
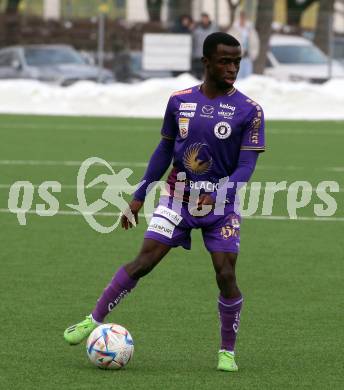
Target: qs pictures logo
{"points": [[112, 194], [21, 196]]}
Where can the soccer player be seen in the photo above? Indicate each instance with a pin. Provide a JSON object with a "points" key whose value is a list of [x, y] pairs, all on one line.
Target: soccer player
{"points": [[212, 132]]}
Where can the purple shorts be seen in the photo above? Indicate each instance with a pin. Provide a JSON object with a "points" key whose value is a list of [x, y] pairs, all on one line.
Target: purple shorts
{"points": [[221, 233]]}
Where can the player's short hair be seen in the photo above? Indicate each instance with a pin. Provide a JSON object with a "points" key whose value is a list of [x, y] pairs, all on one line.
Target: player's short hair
{"points": [[211, 41]]}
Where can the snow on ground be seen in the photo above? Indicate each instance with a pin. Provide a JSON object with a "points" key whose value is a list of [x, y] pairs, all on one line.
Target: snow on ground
{"points": [[280, 100]]}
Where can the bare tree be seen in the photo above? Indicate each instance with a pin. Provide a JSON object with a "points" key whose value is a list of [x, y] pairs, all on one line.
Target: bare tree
{"points": [[154, 9], [233, 5], [11, 22], [264, 19], [12, 7], [295, 11], [178, 8], [324, 24]]}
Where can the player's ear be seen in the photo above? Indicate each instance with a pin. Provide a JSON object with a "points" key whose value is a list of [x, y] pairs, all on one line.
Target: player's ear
{"points": [[205, 61]]}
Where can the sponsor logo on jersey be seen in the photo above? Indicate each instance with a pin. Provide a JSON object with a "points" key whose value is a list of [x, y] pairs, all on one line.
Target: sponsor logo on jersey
{"points": [[208, 186], [222, 130], [183, 127], [161, 226], [188, 114], [188, 106], [207, 111], [227, 106], [226, 114]]}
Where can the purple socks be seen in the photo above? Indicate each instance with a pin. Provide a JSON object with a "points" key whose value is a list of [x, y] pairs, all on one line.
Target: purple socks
{"points": [[122, 284], [118, 288], [229, 309]]}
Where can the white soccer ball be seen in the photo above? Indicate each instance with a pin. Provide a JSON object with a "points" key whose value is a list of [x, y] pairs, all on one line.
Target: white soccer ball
{"points": [[110, 346]]}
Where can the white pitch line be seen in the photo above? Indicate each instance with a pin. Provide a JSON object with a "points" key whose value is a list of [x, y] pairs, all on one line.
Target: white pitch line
{"points": [[285, 218], [71, 163], [123, 188], [68, 163], [108, 214], [71, 127], [70, 187], [302, 132], [295, 168], [146, 128]]}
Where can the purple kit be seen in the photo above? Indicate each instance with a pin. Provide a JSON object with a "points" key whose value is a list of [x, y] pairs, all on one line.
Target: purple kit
{"points": [[212, 139]]}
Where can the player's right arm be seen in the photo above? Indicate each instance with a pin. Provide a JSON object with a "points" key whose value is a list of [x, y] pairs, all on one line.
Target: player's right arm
{"points": [[158, 163]]}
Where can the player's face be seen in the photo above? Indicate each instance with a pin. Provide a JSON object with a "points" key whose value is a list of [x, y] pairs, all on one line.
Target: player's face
{"points": [[223, 66]]}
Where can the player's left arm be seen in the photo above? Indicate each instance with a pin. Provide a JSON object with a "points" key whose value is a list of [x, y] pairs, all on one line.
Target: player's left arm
{"points": [[252, 144], [242, 174]]}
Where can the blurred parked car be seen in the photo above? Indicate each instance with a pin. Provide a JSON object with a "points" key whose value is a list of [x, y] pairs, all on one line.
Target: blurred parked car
{"points": [[338, 49], [128, 68], [298, 59], [58, 64]]}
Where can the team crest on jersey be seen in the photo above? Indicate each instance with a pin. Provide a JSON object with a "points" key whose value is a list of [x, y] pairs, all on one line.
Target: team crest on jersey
{"points": [[197, 159], [222, 130], [183, 127]]}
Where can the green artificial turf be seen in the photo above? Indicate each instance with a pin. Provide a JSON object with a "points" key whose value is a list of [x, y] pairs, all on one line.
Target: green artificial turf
{"points": [[54, 268]]}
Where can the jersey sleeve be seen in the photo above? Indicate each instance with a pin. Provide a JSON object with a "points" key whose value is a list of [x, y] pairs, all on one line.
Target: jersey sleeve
{"points": [[169, 128], [254, 134]]}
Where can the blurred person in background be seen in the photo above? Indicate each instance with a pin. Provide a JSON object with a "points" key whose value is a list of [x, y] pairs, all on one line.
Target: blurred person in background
{"points": [[243, 30], [184, 25], [203, 29]]}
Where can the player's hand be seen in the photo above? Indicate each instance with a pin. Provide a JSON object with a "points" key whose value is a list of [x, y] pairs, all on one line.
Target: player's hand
{"points": [[134, 206], [205, 199]]}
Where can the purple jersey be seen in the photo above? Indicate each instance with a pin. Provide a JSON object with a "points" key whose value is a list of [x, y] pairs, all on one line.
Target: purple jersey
{"points": [[209, 135]]}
